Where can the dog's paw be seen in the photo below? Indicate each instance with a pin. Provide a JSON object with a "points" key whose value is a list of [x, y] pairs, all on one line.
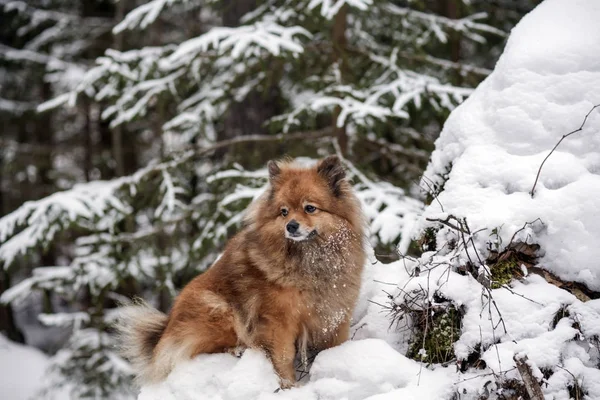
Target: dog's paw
{"points": [[237, 351], [285, 384]]}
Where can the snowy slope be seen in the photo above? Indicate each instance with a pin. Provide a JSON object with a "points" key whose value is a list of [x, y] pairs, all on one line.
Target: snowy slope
{"points": [[492, 146], [21, 370]]}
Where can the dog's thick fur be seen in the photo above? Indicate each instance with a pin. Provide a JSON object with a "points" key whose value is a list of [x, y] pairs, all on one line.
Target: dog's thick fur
{"points": [[267, 290]]}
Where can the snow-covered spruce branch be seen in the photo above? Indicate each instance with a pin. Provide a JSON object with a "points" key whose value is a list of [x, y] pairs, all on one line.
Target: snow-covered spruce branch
{"points": [[37, 222], [131, 81], [49, 278], [387, 146], [49, 26], [144, 15], [15, 107], [10, 55], [391, 213], [103, 375], [387, 97], [446, 64], [40, 16], [119, 76], [437, 24], [244, 41], [330, 8]]}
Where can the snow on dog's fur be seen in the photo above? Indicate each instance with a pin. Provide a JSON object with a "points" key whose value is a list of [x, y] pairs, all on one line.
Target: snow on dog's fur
{"points": [[287, 281]]}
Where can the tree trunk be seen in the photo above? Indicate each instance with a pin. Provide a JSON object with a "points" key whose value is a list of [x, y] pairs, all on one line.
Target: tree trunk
{"points": [[88, 150], [452, 11], [117, 132], [339, 41], [248, 116], [44, 137], [7, 320]]}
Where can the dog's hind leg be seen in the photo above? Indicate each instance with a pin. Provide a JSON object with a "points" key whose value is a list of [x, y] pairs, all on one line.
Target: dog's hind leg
{"points": [[206, 326]]}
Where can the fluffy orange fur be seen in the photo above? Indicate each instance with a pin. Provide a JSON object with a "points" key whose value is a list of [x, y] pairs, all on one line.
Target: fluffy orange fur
{"points": [[270, 289]]}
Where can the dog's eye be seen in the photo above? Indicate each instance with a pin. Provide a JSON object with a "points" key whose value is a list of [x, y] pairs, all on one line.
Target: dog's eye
{"points": [[284, 212], [310, 209]]}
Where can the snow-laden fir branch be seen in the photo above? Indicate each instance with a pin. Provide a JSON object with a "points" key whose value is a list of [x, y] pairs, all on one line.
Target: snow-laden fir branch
{"points": [[144, 15], [438, 25], [330, 8], [133, 80], [37, 222], [205, 74], [244, 41], [387, 97], [16, 107], [10, 54], [55, 25], [99, 204], [50, 278], [73, 371]]}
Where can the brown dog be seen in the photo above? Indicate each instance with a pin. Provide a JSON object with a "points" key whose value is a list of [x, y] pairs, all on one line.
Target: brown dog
{"points": [[288, 280]]}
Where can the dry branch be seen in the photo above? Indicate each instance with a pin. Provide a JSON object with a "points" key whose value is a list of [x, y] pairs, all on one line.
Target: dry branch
{"points": [[557, 144], [531, 384]]}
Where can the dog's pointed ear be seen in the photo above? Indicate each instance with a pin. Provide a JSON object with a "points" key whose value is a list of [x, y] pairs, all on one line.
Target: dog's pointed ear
{"points": [[332, 170], [274, 170]]}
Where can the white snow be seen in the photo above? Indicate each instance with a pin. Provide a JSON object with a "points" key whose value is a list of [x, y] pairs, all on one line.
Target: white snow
{"points": [[21, 370]]}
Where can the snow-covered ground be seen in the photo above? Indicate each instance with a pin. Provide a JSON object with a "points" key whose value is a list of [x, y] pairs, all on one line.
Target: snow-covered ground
{"points": [[22, 369], [486, 158]]}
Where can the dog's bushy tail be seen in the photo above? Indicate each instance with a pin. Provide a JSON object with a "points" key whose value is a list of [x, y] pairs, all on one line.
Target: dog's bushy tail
{"points": [[140, 327]]}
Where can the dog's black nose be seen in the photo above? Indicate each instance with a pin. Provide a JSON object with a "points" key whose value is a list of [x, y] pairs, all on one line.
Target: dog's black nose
{"points": [[292, 226]]}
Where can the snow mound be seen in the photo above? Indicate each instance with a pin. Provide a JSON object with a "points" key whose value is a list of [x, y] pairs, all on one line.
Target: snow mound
{"points": [[544, 84], [21, 370]]}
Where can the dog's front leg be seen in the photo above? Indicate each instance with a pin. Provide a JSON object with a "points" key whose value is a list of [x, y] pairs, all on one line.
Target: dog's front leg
{"points": [[278, 341]]}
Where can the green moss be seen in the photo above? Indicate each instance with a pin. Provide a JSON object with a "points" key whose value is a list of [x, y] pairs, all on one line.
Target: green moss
{"points": [[504, 271], [434, 343]]}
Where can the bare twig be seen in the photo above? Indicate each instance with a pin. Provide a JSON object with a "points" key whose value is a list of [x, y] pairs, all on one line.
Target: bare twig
{"points": [[557, 144], [520, 230], [575, 383], [447, 223], [432, 192], [485, 374], [520, 295]]}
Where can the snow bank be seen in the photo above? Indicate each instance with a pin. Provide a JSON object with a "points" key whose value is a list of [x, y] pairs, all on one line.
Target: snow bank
{"points": [[21, 370], [544, 84], [344, 372]]}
